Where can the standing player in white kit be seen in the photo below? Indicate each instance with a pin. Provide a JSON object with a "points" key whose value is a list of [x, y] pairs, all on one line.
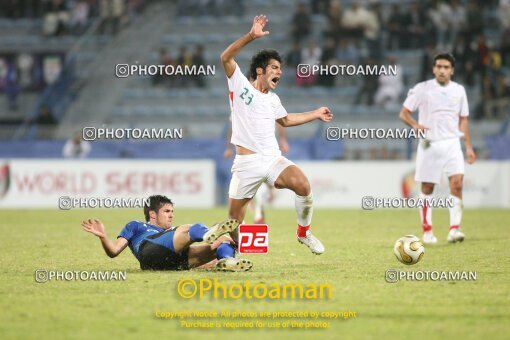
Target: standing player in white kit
{"points": [[443, 115], [255, 108]]}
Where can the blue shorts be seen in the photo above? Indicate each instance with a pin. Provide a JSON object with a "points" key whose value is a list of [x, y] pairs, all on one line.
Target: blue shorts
{"points": [[157, 252]]}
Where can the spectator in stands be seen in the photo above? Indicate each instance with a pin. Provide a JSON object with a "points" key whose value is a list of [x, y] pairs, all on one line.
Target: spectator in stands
{"points": [[416, 26], [493, 63], [368, 86], [502, 92], [185, 59], [25, 64], [456, 22], [56, 19], [310, 55], [11, 85], [390, 87], [505, 46], [463, 65], [293, 59], [164, 59], [334, 16], [504, 13], [438, 14], [301, 23], [45, 117], [354, 20], [198, 59], [76, 147], [489, 106], [111, 12], [482, 55], [328, 57], [474, 21], [80, 16], [321, 6], [396, 28], [371, 31], [427, 60]]}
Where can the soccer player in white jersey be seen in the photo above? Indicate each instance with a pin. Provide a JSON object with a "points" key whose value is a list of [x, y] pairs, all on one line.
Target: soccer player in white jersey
{"points": [[265, 192], [255, 108], [443, 115]]}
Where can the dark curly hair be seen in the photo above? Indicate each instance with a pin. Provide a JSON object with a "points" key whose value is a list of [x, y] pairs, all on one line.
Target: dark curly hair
{"points": [[155, 203], [445, 56], [261, 59]]}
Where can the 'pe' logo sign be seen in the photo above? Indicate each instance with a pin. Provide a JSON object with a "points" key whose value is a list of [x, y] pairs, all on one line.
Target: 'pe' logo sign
{"points": [[253, 238]]}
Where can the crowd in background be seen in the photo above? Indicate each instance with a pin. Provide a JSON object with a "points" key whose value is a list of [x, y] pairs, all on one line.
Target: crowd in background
{"points": [[368, 34], [29, 71], [477, 32], [61, 17], [185, 58], [356, 32], [216, 8]]}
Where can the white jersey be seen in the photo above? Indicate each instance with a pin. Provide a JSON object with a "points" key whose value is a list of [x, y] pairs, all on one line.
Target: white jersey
{"points": [[439, 108], [253, 115]]}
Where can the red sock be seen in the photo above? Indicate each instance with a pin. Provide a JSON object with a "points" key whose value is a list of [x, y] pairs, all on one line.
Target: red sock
{"points": [[426, 228], [301, 231], [454, 227]]}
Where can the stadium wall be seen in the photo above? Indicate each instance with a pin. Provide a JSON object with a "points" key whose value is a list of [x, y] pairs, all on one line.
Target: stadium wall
{"points": [[41, 183], [344, 184], [192, 183]]}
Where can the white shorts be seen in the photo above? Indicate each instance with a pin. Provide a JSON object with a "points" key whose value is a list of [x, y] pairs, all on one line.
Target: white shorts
{"points": [[440, 157], [250, 171]]}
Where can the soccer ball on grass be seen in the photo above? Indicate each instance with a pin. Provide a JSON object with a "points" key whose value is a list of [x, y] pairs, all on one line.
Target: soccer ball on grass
{"points": [[409, 249]]}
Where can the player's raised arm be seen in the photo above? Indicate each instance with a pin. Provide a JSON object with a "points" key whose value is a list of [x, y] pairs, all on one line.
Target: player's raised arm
{"points": [[257, 31], [293, 119], [96, 227]]}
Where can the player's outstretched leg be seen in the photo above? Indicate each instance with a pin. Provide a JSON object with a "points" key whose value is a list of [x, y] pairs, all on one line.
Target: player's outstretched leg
{"points": [[426, 213], [219, 229], [294, 179], [304, 209], [455, 235]]}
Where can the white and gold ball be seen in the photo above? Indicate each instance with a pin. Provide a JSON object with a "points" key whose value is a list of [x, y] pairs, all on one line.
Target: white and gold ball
{"points": [[409, 249]]}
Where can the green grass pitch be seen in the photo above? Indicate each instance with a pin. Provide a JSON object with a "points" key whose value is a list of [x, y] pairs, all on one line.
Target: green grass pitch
{"points": [[358, 252]]}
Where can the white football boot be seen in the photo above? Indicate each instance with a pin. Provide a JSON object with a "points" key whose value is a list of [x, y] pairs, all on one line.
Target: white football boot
{"points": [[455, 235], [230, 264], [429, 238], [219, 229], [312, 242]]}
